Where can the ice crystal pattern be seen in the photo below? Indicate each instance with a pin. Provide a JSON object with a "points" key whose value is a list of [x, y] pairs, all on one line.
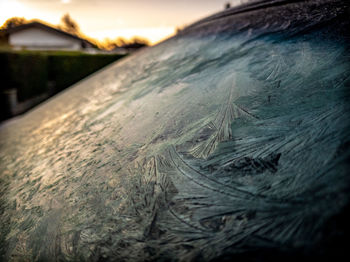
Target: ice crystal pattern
{"points": [[221, 140]]}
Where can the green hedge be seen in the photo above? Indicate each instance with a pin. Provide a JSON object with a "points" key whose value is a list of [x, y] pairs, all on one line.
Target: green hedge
{"points": [[30, 72]]}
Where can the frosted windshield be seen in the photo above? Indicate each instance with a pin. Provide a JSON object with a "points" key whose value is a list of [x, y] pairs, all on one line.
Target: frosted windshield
{"points": [[201, 144]]}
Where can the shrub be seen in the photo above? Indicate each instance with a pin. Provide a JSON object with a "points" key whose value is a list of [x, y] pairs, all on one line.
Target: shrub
{"points": [[30, 72]]}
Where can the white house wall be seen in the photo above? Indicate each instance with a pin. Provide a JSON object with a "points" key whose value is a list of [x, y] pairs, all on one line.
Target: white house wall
{"points": [[35, 38]]}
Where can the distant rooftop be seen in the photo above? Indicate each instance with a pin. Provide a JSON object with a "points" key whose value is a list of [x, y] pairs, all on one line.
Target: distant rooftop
{"points": [[45, 27]]}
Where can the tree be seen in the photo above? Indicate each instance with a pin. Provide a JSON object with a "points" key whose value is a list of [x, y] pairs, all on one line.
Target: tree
{"points": [[136, 41], [107, 44], [13, 22], [139, 40], [120, 41], [69, 25]]}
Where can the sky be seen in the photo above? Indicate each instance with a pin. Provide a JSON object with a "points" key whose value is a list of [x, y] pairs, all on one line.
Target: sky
{"points": [[100, 19]]}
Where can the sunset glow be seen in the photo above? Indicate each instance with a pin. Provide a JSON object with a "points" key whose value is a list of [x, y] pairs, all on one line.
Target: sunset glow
{"points": [[151, 19], [13, 8], [153, 34]]}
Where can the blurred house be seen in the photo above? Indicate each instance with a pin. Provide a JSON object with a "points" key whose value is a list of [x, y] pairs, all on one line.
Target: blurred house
{"points": [[38, 36]]}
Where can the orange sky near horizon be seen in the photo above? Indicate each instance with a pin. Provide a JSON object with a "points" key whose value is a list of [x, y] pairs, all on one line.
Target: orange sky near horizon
{"points": [[101, 19]]}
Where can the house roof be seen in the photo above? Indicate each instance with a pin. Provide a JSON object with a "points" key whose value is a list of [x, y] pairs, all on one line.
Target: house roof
{"points": [[42, 26]]}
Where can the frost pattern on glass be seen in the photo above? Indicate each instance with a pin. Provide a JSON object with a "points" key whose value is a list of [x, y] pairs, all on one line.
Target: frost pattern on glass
{"points": [[198, 147]]}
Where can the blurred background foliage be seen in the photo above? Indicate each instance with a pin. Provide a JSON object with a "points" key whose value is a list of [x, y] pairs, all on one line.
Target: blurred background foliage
{"points": [[35, 74], [31, 71]]}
